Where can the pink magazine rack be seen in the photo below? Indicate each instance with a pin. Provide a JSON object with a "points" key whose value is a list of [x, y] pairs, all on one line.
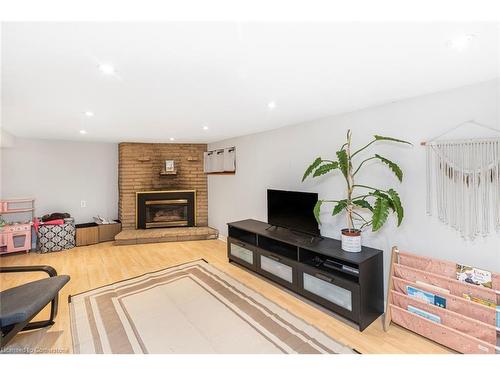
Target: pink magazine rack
{"points": [[464, 325]]}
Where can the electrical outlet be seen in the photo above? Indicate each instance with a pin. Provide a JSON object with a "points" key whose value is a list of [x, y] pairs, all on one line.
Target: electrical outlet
{"points": [[83, 204]]}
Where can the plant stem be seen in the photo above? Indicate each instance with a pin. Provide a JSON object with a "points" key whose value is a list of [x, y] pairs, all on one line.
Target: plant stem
{"points": [[350, 183], [362, 218], [361, 149], [368, 187], [366, 224], [361, 196], [360, 164]]}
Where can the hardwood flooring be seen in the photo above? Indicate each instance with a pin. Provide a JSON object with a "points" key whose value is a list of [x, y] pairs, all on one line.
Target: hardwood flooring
{"points": [[97, 265]]}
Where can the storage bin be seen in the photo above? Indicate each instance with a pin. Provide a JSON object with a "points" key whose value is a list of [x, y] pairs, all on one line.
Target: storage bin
{"points": [[56, 237], [107, 232], [87, 234]]}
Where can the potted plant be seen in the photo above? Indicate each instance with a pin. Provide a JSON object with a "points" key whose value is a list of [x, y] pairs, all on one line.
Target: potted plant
{"points": [[378, 202]]}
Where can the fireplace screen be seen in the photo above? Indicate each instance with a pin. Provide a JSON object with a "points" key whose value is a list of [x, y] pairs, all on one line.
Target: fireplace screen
{"points": [[166, 213], [163, 209]]}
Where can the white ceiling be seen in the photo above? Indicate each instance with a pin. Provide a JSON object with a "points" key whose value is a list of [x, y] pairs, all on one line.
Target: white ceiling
{"points": [[174, 78]]}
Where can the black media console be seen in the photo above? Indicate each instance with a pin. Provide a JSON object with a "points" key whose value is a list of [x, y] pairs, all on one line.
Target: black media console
{"points": [[350, 284]]}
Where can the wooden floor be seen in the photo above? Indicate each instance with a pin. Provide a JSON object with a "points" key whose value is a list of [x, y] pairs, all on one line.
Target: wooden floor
{"points": [[97, 265]]}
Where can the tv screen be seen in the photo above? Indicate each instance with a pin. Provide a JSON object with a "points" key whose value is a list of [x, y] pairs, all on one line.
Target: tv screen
{"points": [[293, 210]]}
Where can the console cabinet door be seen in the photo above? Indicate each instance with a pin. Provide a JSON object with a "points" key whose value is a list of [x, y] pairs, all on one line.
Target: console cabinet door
{"points": [[242, 253], [279, 269], [333, 292]]}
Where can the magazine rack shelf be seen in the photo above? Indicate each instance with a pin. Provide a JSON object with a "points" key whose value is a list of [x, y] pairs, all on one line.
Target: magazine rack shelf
{"points": [[462, 317]]}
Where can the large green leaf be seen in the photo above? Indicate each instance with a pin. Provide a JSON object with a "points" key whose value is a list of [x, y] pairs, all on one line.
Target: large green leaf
{"points": [[396, 202], [382, 138], [339, 207], [393, 166], [317, 209], [325, 168], [312, 167], [380, 213], [378, 193], [363, 203], [343, 162]]}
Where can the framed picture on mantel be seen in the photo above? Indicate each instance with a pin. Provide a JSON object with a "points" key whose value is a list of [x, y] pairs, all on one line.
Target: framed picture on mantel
{"points": [[169, 166]]}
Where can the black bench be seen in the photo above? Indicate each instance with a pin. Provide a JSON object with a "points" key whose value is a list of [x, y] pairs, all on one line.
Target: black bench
{"points": [[20, 304]]}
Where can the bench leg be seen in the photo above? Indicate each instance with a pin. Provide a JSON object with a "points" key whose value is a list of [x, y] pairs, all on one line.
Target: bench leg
{"points": [[26, 326]]}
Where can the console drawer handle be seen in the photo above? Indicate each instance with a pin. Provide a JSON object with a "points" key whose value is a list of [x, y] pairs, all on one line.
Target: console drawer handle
{"points": [[323, 277], [241, 244], [273, 257]]}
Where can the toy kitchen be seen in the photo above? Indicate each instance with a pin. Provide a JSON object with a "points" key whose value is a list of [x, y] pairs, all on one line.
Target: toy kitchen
{"points": [[15, 235]]}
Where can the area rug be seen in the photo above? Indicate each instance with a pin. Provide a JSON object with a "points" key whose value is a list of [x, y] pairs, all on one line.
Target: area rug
{"points": [[190, 308]]}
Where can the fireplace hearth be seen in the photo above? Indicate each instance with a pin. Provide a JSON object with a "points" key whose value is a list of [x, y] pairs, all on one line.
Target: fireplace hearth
{"points": [[165, 209]]}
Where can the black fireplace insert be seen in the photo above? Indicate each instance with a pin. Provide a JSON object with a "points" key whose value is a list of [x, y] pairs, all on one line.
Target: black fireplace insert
{"points": [[165, 209]]}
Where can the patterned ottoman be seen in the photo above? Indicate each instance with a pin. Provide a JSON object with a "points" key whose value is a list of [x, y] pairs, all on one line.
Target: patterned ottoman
{"points": [[56, 237]]}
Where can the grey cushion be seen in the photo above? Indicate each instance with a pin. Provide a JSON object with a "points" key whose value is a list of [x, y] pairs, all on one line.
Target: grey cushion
{"points": [[20, 303]]}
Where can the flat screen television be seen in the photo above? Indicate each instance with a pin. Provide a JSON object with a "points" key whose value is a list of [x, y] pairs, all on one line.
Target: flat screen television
{"points": [[292, 210]]}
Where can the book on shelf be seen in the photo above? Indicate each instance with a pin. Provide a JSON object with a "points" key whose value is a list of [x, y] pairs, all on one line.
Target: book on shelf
{"points": [[482, 301], [498, 317], [473, 275], [427, 297], [430, 286], [424, 314]]}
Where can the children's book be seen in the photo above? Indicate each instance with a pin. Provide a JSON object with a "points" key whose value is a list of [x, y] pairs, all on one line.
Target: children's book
{"points": [[479, 300], [430, 286], [498, 317], [427, 297], [424, 314], [474, 276]]}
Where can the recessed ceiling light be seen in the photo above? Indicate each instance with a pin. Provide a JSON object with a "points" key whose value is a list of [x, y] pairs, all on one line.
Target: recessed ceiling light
{"points": [[205, 127], [461, 42], [172, 139], [89, 114], [271, 105], [107, 69], [83, 131]]}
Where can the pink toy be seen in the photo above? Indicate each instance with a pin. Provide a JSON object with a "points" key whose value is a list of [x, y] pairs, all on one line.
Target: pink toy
{"points": [[15, 237]]}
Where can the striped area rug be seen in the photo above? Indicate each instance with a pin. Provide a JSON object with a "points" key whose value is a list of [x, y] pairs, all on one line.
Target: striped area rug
{"points": [[190, 308]]}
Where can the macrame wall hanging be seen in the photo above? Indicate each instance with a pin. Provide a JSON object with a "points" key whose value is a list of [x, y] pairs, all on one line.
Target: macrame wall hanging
{"points": [[463, 182]]}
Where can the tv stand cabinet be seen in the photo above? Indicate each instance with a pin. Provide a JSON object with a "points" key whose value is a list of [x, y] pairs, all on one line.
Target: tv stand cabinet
{"points": [[349, 284]]}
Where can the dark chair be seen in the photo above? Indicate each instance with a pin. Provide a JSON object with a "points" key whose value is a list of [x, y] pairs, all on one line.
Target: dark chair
{"points": [[19, 305]]}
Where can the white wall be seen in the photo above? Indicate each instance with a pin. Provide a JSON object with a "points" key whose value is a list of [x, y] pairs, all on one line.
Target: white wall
{"points": [[277, 159], [60, 174]]}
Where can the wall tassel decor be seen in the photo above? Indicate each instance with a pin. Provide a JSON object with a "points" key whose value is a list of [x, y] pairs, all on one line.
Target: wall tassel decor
{"points": [[463, 184]]}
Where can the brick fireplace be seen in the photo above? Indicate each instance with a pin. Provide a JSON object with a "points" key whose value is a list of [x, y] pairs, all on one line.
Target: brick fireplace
{"points": [[140, 170]]}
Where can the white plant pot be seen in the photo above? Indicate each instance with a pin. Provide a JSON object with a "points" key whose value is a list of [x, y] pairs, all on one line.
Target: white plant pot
{"points": [[351, 241]]}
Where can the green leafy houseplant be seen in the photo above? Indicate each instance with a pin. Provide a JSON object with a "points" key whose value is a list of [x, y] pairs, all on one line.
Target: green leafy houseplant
{"points": [[377, 201]]}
